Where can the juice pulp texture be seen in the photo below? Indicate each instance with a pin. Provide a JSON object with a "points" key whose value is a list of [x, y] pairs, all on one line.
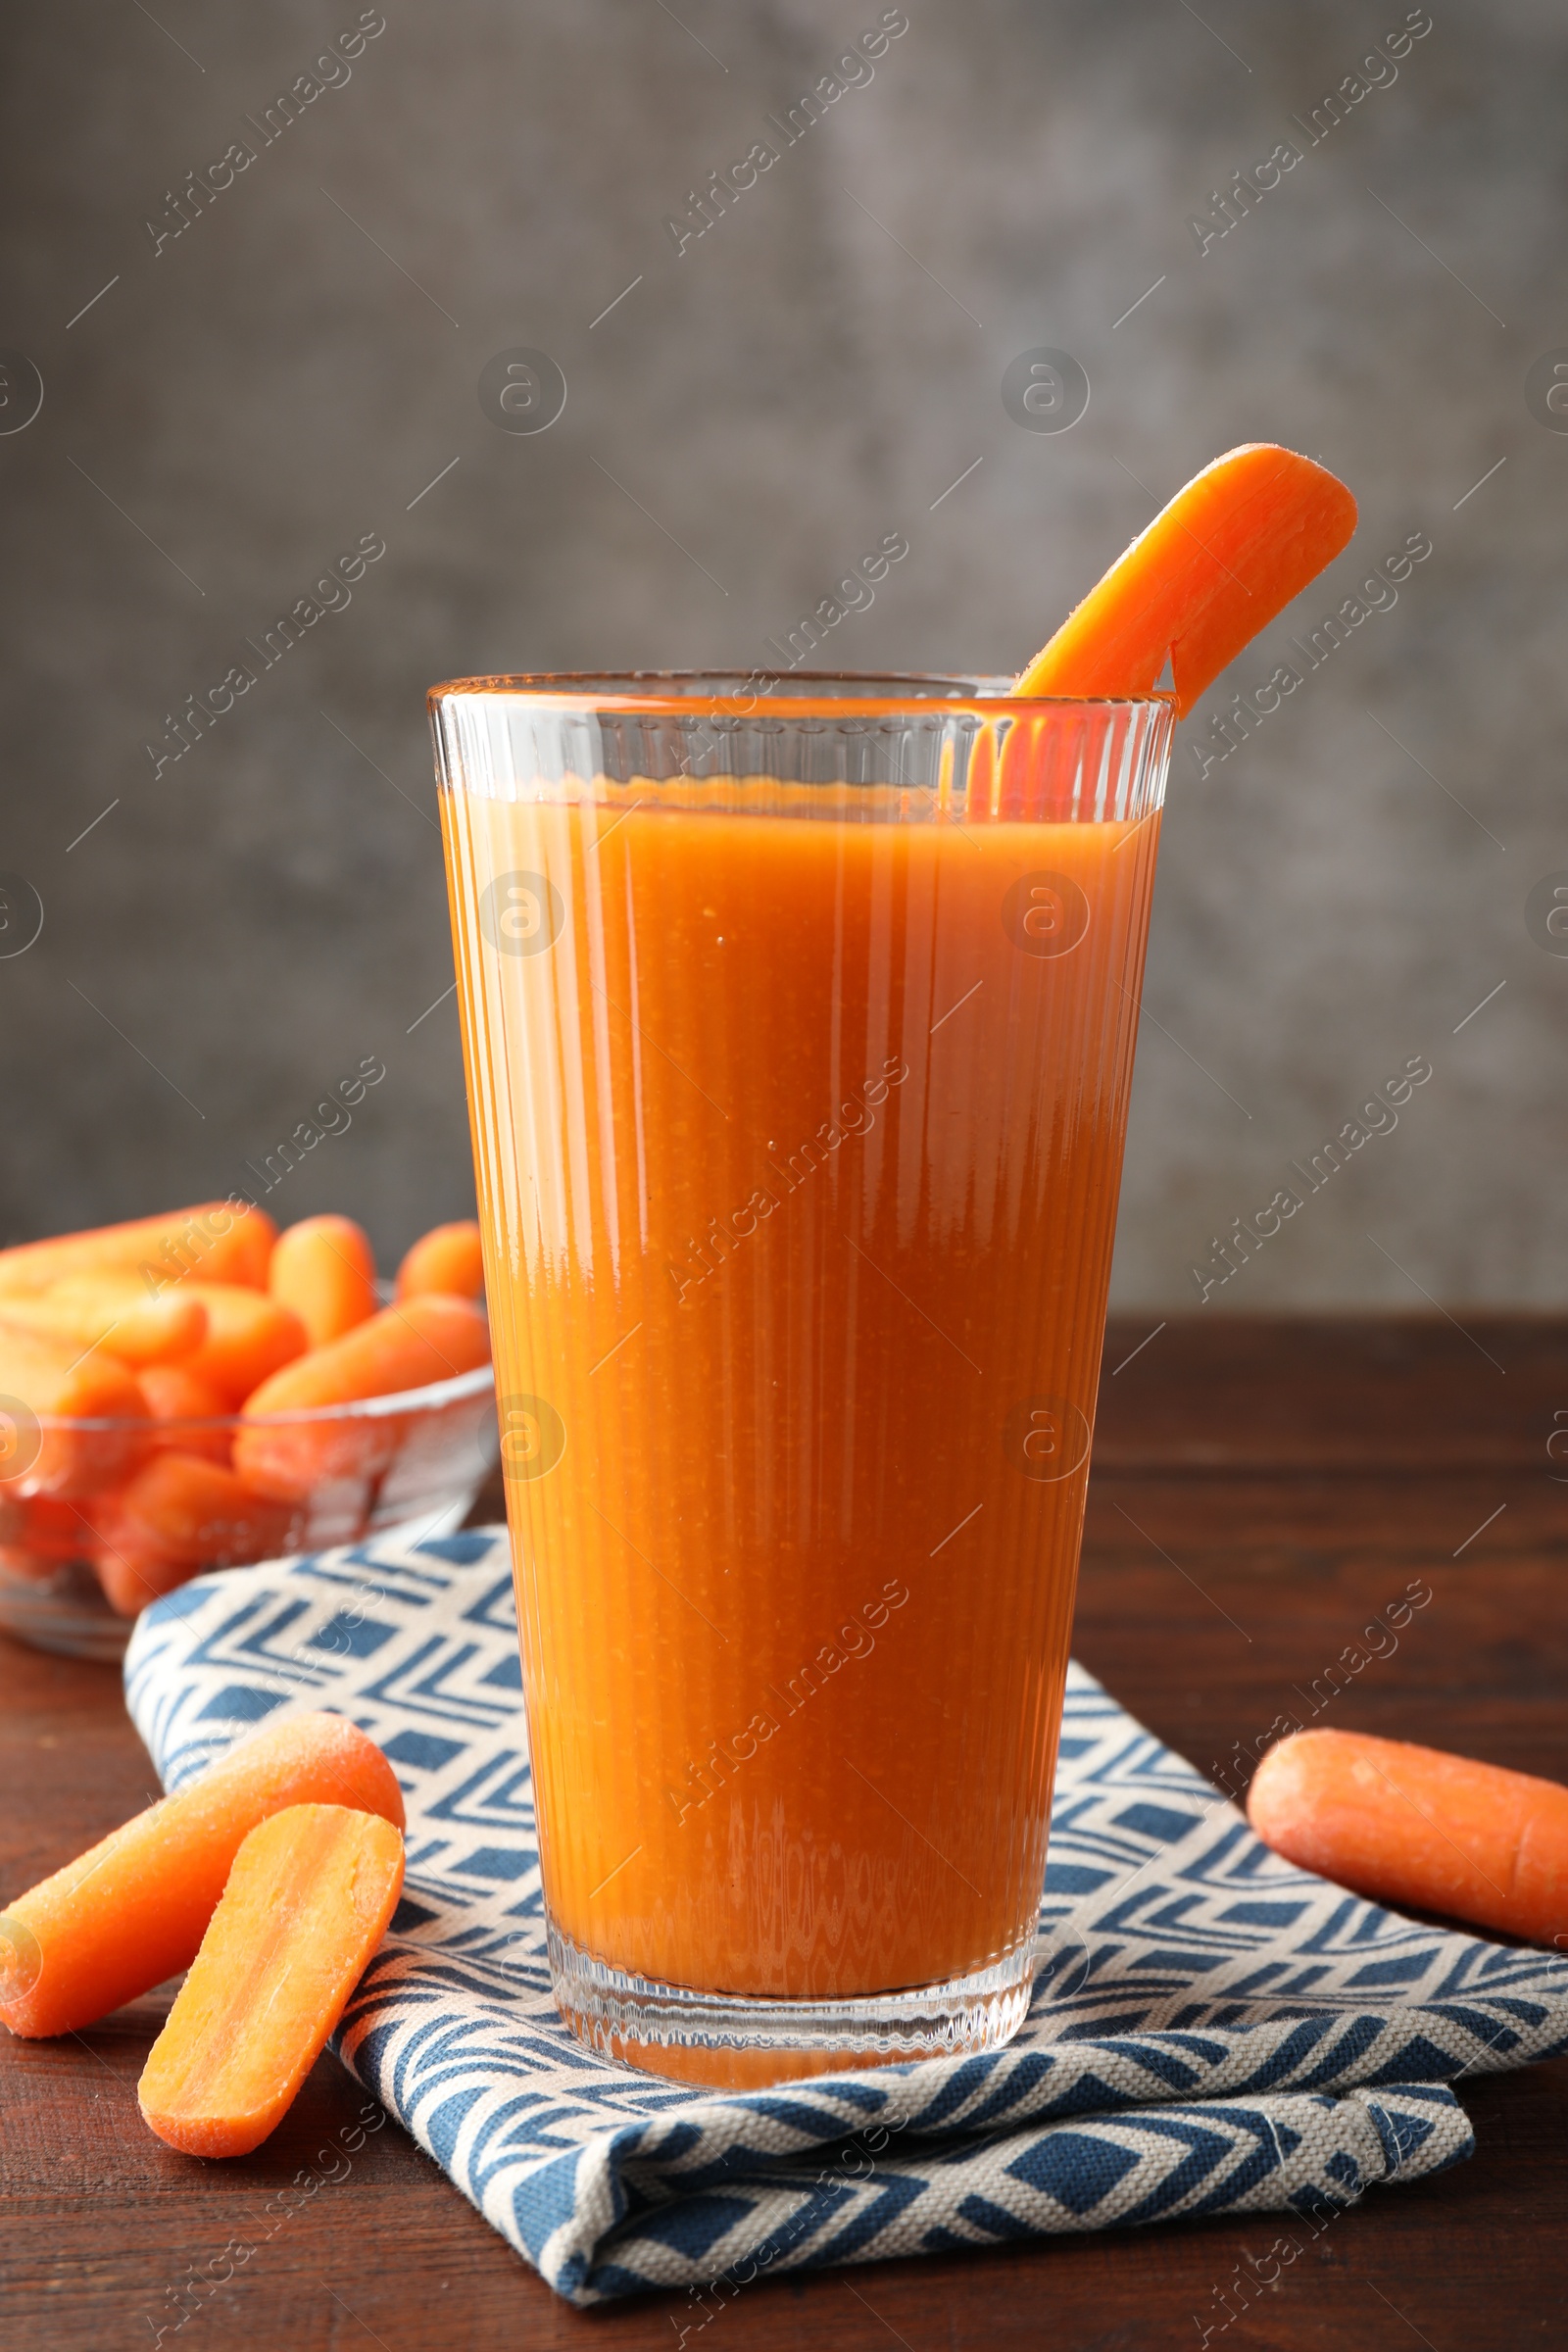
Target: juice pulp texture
{"points": [[799, 1144]]}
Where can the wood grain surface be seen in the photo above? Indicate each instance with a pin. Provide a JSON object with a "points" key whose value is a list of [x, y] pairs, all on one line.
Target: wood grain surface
{"points": [[1261, 1489]]}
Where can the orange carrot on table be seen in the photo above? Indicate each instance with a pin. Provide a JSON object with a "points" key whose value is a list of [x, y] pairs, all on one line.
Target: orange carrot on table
{"points": [[1417, 1827], [447, 1258], [216, 1240], [250, 1336], [308, 1901], [133, 1909], [1213, 567], [115, 1316], [39, 1383], [177, 1397], [324, 1269], [406, 1346]]}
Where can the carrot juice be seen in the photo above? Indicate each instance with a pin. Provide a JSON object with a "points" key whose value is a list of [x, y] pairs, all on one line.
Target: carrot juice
{"points": [[798, 1115]]}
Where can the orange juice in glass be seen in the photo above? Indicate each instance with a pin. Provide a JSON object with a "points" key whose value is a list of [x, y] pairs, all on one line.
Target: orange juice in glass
{"points": [[799, 1029]]}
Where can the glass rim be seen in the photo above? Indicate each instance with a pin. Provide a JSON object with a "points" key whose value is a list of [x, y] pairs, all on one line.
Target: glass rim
{"points": [[457, 1389], [669, 694]]}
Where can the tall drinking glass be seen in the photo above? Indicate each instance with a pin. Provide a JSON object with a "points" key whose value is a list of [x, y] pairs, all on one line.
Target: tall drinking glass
{"points": [[799, 1020]]}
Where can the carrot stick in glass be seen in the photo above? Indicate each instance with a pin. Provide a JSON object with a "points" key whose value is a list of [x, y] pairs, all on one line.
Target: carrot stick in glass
{"points": [[1213, 568]]}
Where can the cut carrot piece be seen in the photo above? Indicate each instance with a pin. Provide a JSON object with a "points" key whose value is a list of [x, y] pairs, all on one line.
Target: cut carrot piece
{"points": [[114, 1317], [40, 1382], [134, 1910], [1413, 1826], [324, 1269], [249, 1337], [216, 1240], [179, 1402], [407, 1346], [1211, 570], [308, 1901], [447, 1258]]}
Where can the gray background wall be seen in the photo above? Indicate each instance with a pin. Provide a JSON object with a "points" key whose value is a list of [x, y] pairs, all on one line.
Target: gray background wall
{"points": [[238, 407]]}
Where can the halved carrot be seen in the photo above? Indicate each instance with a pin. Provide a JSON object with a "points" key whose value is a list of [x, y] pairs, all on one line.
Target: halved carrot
{"points": [[178, 1397], [307, 1900], [446, 1259], [1415, 1826], [217, 1239], [40, 1382], [324, 1269], [406, 1346], [133, 1909], [1213, 568], [117, 1317], [249, 1335]]}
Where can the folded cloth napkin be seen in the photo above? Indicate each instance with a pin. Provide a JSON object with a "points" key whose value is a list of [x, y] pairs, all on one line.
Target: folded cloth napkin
{"points": [[1212, 2031]]}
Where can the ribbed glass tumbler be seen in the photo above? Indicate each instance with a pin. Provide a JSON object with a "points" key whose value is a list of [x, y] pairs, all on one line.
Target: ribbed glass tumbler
{"points": [[799, 1020]]}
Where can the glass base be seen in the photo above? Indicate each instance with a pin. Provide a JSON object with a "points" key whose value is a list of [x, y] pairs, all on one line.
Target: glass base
{"points": [[733, 2041]]}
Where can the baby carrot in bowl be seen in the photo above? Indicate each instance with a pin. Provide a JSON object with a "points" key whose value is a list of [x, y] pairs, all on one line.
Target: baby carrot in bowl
{"points": [[45, 1384], [135, 1908], [324, 1269], [118, 1318], [217, 1239], [306, 1903], [177, 1396], [446, 1259], [1413, 1826], [249, 1335], [407, 1346]]}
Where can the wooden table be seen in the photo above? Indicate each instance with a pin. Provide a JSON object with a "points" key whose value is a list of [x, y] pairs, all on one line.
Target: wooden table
{"points": [[1259, 1490]]}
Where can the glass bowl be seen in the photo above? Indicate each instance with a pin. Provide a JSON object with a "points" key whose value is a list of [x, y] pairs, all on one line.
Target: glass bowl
{"points": [[413, 1460]]}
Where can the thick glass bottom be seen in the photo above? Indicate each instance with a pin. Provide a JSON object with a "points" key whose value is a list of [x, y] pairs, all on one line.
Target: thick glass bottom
{"points": [[734, 2042]]}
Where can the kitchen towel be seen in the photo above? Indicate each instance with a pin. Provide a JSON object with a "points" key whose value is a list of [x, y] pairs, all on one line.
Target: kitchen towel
{"points": [[1212, 2030]]}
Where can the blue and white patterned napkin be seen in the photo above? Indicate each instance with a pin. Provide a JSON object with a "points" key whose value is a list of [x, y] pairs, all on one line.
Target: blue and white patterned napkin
{"points": [[1212, 2030]]}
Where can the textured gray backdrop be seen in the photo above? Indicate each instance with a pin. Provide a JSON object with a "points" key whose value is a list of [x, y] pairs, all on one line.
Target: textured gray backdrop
{"points": [[288, 373]]}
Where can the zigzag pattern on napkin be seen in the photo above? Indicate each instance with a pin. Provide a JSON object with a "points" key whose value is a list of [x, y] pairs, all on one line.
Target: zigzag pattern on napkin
{"points": [[1211, 2028]]}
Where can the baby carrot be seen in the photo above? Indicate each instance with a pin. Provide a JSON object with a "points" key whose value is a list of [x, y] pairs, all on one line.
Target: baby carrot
{"points": [[446, 1259], [406, 1346], [1416, 1827], [130, 1571], [306, 1903], [39, 1383], [216, 1240], [180, 1512], [324, 1269], [1213, 567], [133, 1909], [249, 1336], [177, 1396], [199, 1513], [117, 1317]]}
